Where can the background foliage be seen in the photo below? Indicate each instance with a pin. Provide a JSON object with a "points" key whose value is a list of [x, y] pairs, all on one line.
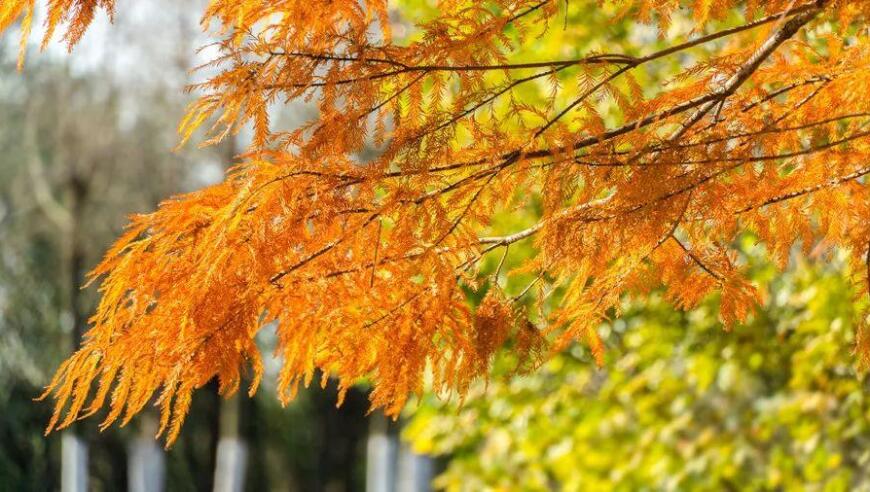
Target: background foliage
{"points": [[68, 125], [680, 404]]}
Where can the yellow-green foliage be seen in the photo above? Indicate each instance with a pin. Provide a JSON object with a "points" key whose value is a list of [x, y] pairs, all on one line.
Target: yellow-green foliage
{"points": [[678, 405]]}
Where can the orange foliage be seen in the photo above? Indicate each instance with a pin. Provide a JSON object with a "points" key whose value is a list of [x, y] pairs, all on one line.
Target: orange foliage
{"points": [[360, 264]]}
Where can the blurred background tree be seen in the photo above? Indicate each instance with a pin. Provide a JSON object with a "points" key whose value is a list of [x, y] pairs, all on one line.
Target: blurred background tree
{"points": [[680, 404], [84, 144]]}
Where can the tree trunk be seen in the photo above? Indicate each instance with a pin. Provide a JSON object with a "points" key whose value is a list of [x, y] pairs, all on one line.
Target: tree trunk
{"points": [[380, 456], [414, 472], [232, 451], [146, 462], [74, 454], [74, 463], [391, 466]]}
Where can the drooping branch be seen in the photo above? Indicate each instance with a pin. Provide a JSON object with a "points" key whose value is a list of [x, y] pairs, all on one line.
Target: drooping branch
{"points": [[622, 188]]}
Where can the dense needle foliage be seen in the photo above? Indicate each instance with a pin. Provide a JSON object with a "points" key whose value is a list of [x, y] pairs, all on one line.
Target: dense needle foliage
{"points": [[363, 264]]}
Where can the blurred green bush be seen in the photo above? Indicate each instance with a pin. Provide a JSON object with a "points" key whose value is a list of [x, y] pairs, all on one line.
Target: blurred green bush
{"points": [[680, 404]]}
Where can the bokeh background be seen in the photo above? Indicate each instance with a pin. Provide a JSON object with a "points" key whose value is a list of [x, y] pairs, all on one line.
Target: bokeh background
{"points": [[680, 404]]}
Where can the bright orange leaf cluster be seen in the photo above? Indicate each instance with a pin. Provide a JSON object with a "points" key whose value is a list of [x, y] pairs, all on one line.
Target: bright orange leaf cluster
{"points": [[360, 262]]}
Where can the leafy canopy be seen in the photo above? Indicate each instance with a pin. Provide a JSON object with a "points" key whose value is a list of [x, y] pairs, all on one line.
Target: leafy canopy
{"points": [[359, 233]]}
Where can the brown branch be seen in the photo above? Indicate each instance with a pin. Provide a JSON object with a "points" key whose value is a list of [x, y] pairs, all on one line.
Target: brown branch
{"points": [[675, 225], [526, 290], [500, 264], [395, 309], [583, 97], [609, 58], [747, 159], [375, 260], [495, 96], [810, 189], [783, 90], [867, 262], [697, 260], [465, 211]]}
